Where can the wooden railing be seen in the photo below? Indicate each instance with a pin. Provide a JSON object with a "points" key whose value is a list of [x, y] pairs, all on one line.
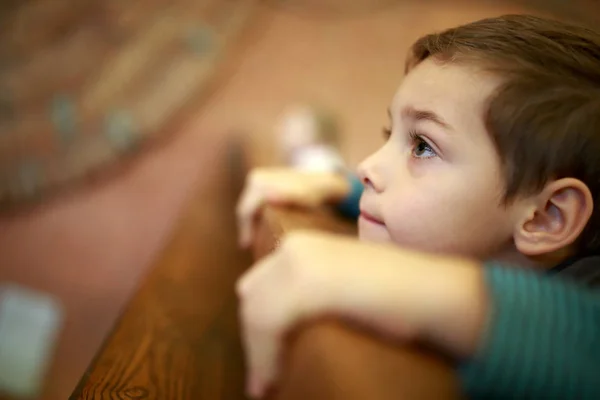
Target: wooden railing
{"points": [[179, 337]]}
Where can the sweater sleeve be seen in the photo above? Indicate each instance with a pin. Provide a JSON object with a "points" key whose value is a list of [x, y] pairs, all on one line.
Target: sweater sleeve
{"points": [[349, 206], [542, 340]]}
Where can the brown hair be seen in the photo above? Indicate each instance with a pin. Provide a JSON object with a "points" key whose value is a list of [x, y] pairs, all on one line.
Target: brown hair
{"points": [[545, 116]]}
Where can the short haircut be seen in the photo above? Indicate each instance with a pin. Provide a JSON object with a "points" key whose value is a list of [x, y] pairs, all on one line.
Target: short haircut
{"points": [[544, 118]]}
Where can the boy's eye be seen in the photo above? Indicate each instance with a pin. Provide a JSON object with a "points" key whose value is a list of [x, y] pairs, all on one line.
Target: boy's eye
{"points": [[421, 149]]}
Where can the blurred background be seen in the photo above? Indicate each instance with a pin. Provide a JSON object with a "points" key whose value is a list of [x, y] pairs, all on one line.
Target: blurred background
{"points": [[112, 112]]}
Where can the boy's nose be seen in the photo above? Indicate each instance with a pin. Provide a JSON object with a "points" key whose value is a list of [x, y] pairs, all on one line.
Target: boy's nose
{"points": [[367, 172]]}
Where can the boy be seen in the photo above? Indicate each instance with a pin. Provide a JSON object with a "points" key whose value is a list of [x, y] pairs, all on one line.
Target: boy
{"points": [[492, 154]]}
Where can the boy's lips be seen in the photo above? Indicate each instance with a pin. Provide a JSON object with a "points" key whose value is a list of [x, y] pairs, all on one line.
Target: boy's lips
{"points": [[369, 217]]}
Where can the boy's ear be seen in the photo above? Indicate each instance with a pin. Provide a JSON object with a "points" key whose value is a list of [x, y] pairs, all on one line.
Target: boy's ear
{"points": [[556, 218]]}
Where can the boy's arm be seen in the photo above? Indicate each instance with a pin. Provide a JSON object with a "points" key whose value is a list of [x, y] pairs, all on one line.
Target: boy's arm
{"points": [[518, 333], [515, 329], [541, 341], [400, 293]]}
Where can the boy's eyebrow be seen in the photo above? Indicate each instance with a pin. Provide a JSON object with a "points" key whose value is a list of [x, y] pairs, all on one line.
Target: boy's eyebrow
{"points": [[424, 115]]}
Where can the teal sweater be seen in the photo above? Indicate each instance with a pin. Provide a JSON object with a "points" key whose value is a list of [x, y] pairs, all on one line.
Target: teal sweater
{"points": [[542, 340]]}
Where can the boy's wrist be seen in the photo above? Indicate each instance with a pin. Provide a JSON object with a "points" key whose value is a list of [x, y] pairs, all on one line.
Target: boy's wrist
{"points": [[439, 300], [457, 326], [404, 294]]}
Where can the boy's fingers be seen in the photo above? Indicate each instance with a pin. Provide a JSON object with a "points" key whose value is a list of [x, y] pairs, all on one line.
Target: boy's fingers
{"points": [[261, 327], [257, 274], [247, 209], [262, 348], [245, 236]]}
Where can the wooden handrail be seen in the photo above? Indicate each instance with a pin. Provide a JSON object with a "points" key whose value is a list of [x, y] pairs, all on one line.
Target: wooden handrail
{"points": [[179, 335]]}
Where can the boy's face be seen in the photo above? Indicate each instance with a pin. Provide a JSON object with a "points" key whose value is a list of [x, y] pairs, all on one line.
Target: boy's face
{"points": [[436, 184]]}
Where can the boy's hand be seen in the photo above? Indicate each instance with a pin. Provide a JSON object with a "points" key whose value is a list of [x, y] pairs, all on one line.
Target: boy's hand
{"points": [[394, 292], [285, 186]]}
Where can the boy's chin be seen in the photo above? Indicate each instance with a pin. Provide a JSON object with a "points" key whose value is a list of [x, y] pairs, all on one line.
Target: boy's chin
{"points": [[368, 235]]}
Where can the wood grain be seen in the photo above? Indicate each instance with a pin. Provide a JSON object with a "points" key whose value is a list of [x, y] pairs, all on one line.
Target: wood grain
{"points": [[178, 338], [330, 360]]}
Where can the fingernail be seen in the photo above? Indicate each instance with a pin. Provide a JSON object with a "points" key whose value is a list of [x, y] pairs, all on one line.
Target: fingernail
{"points": [[242, 240], [254, 388]]}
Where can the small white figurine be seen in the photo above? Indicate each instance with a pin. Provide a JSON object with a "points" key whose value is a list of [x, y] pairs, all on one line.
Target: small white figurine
{"points": [[308, 139]]}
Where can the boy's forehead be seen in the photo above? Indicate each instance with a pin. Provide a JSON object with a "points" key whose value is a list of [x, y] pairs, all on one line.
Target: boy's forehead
{"points": [[458, 93]]}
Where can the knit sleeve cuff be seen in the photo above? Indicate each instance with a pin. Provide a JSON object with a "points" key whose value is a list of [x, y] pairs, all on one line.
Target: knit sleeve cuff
{"points": [[541, 340], [349, 206]]}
